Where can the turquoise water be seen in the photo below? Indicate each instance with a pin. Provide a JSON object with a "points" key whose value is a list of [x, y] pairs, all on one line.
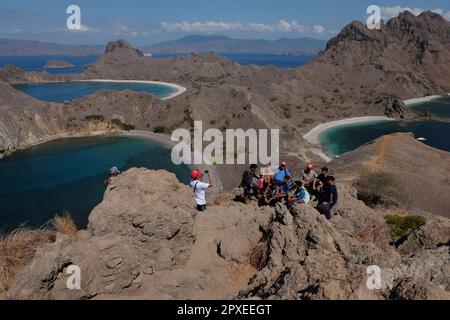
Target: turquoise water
{"points": [[69, 174], [439, 107], [342, 139], [64, 91]]}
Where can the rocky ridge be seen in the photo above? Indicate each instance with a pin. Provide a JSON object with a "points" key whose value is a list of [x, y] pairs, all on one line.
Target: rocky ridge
{"points": [[139, 247]]}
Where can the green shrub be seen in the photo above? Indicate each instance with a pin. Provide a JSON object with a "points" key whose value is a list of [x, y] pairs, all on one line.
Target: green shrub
{"points": [[374, 187], [309, 121], [159, 129], [273, 99], [287, 112], [402, 226], [94, 117], [121, 125]]}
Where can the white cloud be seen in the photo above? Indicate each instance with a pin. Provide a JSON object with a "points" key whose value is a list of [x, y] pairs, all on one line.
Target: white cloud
{"points": [[318, 29], [282, 26], [391, 12]]}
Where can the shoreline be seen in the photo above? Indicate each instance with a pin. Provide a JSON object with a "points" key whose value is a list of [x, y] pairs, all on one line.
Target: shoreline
{"points": [[178, 89], [313, 135], [410, 102], [167, 142]]}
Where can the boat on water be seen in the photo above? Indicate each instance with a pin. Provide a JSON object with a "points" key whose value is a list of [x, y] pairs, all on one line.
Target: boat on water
{"points": [[148, 54], [422, 139]]}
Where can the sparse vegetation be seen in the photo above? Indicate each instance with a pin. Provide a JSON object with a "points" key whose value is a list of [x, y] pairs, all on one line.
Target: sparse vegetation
{"points": [[286, 112], [121, 125], [259, 255], [211, 81], [94, 117], [159, 129], [401, 227], [374, 186], [273, 99], [309, 121], [65, 225], [17, 249]]}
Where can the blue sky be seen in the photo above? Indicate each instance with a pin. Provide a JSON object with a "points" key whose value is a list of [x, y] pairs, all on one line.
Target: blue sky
{"points": [[146, 22]]}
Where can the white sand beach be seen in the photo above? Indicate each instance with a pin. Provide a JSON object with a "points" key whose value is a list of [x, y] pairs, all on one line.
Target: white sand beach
{"points": [[179, 89], [314, 135], [420, 100]]}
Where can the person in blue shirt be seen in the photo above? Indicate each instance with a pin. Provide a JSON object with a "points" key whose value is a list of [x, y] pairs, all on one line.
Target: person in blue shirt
{"points": [[281, 191], [281, 173], [301, 194]]}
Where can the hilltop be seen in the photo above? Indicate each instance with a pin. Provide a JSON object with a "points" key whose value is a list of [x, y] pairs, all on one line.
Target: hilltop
{"points": [[139, 247]]}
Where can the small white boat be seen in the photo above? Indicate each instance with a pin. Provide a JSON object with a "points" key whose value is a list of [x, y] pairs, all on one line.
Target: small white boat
{"points": [[422, 139], [148, 54]]}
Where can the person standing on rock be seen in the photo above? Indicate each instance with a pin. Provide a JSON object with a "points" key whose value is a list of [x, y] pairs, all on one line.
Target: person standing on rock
{"points": [[199, 188]]}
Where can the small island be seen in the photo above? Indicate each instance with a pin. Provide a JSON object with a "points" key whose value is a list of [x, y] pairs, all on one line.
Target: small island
{"points": [[58, 64]]}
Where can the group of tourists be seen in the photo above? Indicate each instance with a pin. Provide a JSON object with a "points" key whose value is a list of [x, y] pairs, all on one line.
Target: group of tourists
{"points": [[269, 187]]}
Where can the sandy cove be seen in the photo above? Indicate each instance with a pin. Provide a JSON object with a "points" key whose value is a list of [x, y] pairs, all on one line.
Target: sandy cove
{"points": [[313, 136], [178, 89]]}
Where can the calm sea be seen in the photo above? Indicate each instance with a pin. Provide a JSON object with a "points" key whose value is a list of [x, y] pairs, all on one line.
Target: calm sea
{"points": [[45, 180]]}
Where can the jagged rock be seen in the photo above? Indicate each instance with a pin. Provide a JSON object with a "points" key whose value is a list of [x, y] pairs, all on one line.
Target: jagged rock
{"points": [[395, 108], [122, 44], [418, 289]]}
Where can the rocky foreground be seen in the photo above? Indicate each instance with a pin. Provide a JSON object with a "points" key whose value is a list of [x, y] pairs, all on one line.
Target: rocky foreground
{"points": [[146, 241]]}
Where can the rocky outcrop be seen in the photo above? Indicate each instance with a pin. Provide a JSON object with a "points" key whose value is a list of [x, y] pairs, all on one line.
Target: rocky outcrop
{"points": [[146, 241], [395, 107], [121, 44], [312, 258]]}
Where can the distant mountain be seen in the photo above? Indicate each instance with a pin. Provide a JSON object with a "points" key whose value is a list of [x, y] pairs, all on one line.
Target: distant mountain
{"points": [[9, 47], [221, 44]]}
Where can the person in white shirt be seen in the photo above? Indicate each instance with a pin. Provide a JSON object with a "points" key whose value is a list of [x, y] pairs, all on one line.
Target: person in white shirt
{"points": [[199, 188]]}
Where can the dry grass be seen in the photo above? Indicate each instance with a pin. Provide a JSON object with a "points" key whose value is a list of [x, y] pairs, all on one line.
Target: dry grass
{"points": [[65, 225], [17, 249], [259, 255]]}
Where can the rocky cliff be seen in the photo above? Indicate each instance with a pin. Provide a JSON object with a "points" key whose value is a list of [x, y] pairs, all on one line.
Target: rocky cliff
{"points": [[146, 241]]}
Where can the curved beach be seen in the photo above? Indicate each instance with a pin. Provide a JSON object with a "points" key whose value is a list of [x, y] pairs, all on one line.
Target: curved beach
{"points": [[313, 136], [178, 89]]}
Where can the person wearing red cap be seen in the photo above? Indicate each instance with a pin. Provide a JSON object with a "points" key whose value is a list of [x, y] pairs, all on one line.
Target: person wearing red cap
{"points": [[199, 188], [282, 172], [309, 177]]}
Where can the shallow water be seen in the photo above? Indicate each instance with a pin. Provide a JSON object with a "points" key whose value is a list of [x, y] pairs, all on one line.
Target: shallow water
{"points": [[68, 174], [439, 107], [65, 91], [342, 139]]}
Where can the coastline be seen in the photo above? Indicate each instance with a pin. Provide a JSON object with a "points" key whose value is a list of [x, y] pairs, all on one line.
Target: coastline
{"points": [[167, 142], [178, 89], [313, 136]]}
